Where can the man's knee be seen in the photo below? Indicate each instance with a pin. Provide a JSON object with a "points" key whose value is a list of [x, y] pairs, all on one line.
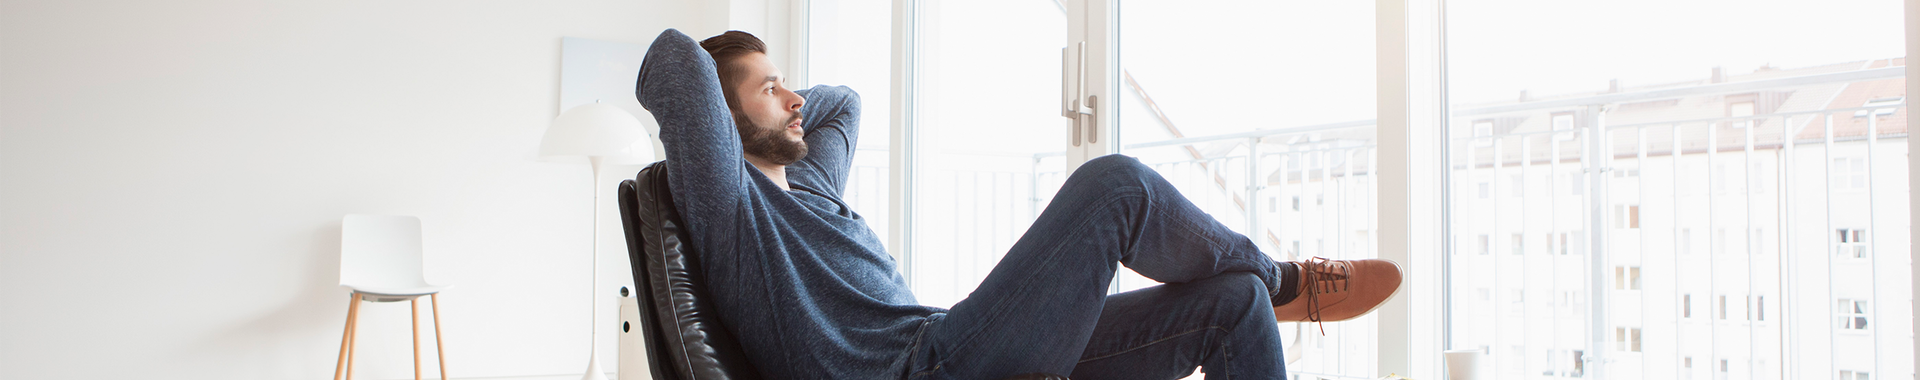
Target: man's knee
{"points": [[1113, 170], [1114, 163]]}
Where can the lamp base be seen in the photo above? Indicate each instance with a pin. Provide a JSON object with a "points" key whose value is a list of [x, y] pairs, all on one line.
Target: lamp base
{"points": [[593, 368]]}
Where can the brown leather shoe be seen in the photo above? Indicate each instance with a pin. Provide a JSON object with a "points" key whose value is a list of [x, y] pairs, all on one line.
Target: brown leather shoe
{"points": [[1338, 290]]}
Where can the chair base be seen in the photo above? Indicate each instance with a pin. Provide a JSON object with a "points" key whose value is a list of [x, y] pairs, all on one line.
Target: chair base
{"points": [[344, 366]]}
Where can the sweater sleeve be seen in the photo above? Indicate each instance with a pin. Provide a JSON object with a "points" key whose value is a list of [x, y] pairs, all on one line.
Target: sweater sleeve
{"points": [[705, 166], [832, 126]]}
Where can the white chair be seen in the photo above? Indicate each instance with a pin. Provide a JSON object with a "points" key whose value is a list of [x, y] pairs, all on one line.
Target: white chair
{"points": [[380, 261]]}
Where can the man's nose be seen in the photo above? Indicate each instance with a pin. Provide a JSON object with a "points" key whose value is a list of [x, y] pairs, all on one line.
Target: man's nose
{"points": [[798, 101]]}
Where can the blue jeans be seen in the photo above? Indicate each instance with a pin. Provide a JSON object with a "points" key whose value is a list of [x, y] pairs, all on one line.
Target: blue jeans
{"points": [[1045, 308]]}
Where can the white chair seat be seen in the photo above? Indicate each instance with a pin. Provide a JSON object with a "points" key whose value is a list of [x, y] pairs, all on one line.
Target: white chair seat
{"points": [[388, 293]]}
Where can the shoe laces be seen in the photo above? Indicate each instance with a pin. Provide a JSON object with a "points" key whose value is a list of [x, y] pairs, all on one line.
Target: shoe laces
{"points": [[1323, 276]]}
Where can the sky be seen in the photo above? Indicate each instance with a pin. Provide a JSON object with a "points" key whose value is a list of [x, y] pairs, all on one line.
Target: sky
{"points": [[1221, 66]]}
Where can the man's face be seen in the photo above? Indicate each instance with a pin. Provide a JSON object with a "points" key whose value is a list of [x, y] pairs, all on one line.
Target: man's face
{"points": [[768, 114]]}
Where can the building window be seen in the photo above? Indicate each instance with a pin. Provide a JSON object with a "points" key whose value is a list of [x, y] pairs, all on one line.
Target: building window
{"points": [[1720, 309], [1626, 216], [1626, 339], [1740, 109], [1686, 241], [1854, 375], [1759, 311], [1565, 363], [1486, 245], [1563, 126], [1852, 243], [1559, 242], [1483, 133], [1486, 190], [1687, 363], [1519, 246], [1519, 183], [1849, 173], [1722, 375], [1626, 278], [1576, 182], [1878, 112], [1686, 307], [1853, 314]]}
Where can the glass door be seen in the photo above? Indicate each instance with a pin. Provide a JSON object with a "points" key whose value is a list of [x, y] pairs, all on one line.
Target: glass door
{"points": [[1261, 112], [988, 136]]}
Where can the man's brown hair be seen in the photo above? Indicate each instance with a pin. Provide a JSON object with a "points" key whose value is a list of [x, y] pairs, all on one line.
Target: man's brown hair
{"points": [[725, 48]]}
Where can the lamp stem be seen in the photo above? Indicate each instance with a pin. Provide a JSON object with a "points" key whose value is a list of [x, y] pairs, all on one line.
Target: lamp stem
{"points": [[593, 301]]}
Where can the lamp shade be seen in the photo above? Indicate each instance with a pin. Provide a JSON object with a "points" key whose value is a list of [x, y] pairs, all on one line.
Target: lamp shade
{"points": [[592, 130]]}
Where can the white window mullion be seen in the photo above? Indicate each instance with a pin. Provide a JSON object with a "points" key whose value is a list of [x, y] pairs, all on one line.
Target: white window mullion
{"points": [[1409, 46]]}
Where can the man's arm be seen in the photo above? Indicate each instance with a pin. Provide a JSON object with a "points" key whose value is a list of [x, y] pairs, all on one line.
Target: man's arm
{"points": [[705, 166], [832, 127]]}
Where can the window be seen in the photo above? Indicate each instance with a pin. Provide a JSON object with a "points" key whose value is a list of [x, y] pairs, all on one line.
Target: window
{"points": [[849, 43], [1722, 375], [1560, 243], [1880, 102], [1853, 314], [1849, 173], [1486, 190], [1696, 177], [1519, 183], [1853, 375], [1851, 243], [1483, 133], [1686, 363], [1486, 246], [1740, 109], [1685, 243], [1626, 278], [1626, 216], [978, 191], [1519, 246], [1563, 126], [1626, 339]]}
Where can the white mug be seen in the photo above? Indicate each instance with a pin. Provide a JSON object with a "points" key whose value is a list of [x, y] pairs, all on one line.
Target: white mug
{"points": [[1467, 364]]}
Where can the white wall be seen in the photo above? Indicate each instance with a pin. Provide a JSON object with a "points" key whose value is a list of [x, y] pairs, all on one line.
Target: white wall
{"points": [[172, 177]]}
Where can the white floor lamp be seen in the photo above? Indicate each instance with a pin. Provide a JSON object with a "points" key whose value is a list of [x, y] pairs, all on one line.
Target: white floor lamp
{"points": [[596, 131]]}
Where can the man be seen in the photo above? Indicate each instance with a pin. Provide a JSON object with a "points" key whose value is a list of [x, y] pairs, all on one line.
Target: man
{"points": [[757, 172]]}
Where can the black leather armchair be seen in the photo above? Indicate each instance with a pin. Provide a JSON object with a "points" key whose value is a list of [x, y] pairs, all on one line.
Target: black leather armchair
{"points": [[685, 338]]}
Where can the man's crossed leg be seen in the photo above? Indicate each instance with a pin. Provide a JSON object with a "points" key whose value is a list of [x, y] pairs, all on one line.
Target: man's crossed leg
{"points": [[1044, 308]]}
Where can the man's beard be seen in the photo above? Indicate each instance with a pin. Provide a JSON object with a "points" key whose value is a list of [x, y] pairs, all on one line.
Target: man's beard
{"points": [[770, 143]]}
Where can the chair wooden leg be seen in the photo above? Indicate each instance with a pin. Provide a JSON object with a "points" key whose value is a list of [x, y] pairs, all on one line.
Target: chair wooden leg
{"points": [[346, 334], [414, 305], [438, 345], [353, 324]]}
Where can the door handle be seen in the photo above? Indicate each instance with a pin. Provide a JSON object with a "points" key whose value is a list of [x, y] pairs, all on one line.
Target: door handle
{"points": [[1084, 114]]}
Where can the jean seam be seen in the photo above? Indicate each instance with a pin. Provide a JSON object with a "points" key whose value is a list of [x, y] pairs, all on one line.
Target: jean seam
{"points": [[914, 349], [1154, 342]]}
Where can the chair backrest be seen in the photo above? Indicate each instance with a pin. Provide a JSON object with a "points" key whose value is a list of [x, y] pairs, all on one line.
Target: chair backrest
{"points": [[684, 336], [381, 251]]}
